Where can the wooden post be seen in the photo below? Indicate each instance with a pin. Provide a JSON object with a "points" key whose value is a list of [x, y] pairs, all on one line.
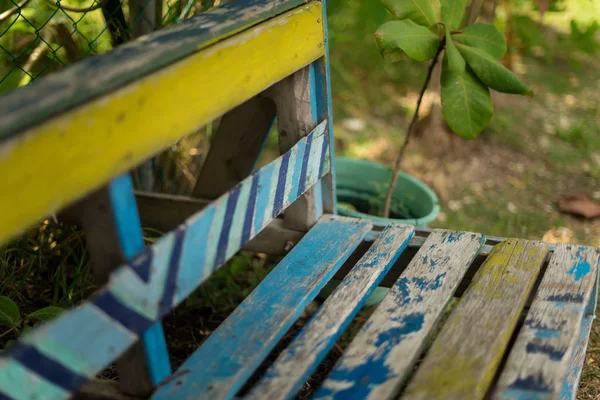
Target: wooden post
{"points": [[111, 223], [142, 20], [235, 148], [295, 99], [142, 17]]}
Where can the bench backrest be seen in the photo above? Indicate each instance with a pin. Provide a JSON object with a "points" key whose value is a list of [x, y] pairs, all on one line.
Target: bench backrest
{"points": [[69, 140]]}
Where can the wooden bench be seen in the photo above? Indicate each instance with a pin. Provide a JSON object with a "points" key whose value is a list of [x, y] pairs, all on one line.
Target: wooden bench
{"points": [[518, 331]]}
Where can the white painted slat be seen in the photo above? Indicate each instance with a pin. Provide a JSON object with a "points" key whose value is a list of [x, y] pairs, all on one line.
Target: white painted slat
{"points": [[382, 355], [540, 358], [295, 364]]}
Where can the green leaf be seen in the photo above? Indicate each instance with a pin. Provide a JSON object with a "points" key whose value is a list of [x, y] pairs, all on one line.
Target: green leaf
{"points": [[453, 12], [492, 73], [455, 61], [419, 11], [46, 313], [485, 37], [10, 316], [466, 103], [418, 42]]}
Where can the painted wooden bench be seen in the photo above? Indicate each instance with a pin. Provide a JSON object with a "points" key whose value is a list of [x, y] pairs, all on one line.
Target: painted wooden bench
{"points": [[518, 331]]}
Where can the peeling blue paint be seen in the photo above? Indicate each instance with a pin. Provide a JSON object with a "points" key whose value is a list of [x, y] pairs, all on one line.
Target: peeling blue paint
{"points": [[518, 394], [551, 351], [429, 284], [582, 267], [543, 331], [452, 237], [566, 298], [547, 333], [532, 384], [373, 371]]}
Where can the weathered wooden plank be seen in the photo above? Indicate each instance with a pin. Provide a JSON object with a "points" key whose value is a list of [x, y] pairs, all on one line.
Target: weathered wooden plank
{"points": [[295, 99], [166, 108], [324, 111], [540, 358], [384, 352], [96, 76], [295, 364], [102, 390], [114, 236], [571, 381], [63, 354], [465, 355], [235, 147], [231, 354]]}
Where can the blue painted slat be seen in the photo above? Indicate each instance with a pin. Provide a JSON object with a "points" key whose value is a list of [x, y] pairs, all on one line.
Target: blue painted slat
{"points": [[231, 354], [295, 364], [383, 353], [571, 381], [543, 351], [153, 283], [129, 231], [322, 77]]}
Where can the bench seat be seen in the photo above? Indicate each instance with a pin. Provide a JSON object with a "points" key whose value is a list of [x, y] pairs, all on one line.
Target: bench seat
{"points": [[514, 334], [466, 317]]}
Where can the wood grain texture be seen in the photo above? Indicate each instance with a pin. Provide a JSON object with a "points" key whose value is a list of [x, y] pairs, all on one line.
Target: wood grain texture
{"points": [[114, 236], [295, 99], [541, 356], [324, 111], [60, 356], [384, 352], [96, 76], [102, 390], [465, 355], [231, 354], [571, 380], [165, 212], [235, 148], [166, 109], [295, 364]]}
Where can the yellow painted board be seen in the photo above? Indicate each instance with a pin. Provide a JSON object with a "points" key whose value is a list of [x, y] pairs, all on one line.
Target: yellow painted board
{"points": [[56, 163], [465, 356]]}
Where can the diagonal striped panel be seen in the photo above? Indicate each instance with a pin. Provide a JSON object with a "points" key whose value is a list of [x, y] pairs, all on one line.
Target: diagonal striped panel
{"points": [[82, 342]]}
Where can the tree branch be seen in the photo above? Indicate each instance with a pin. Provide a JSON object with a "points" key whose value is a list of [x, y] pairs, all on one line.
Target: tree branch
{"points": [[398, 162]]}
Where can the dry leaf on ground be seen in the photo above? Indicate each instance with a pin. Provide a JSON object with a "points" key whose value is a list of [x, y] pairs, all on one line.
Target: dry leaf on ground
{"points": [[581, 205]]}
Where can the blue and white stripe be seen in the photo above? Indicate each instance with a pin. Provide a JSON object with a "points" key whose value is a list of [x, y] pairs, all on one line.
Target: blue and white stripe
{"points": [[60, 356]]}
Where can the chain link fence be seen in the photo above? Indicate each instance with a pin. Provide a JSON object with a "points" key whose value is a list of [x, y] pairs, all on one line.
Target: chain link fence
{"points": [[38, 37]]}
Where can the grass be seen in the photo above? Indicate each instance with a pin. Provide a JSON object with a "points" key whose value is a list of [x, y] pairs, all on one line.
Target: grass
{"points": [[506, 183]]}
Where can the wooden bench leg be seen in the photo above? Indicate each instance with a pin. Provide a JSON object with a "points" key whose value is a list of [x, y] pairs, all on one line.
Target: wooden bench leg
{"points": [[110, 220]]}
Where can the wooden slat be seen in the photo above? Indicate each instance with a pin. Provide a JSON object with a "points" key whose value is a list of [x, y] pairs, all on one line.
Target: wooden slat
{"points": [[235, 147], [383, 353], [295, 99], [167, 107], [540, 358], [295, 364], [62, 355], [464, 357], [96, 76], [113, 235], [231, 354], [165, 212], [571, 380]]}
